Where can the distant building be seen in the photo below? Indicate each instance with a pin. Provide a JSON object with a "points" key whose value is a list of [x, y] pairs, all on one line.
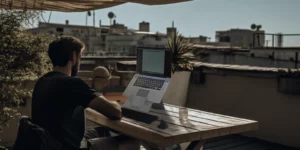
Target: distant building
{"points": [[93, 37], [241, 38], [126, 43], [198, 40], [171, 30], [117, 28], [144, 26], [114, 40]]}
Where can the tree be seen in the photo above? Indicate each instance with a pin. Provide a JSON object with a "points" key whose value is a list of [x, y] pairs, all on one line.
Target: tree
{"points": [[23, 57]]}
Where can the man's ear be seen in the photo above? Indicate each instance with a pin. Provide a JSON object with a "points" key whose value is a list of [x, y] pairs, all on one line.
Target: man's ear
{"points": [[74, 58]]}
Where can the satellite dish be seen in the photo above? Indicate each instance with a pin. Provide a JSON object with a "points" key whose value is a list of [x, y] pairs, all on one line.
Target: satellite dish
{"points": [[111, 15], [259, 27], [253, 26]]}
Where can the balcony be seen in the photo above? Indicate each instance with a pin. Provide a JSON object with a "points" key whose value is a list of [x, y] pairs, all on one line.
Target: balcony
{"points": [[240, 91]]}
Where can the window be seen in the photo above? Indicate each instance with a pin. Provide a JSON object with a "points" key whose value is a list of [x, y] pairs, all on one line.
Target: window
{"points": [[104, 31], [103, 38], [224, 39], [60, 29], [158, 38]]}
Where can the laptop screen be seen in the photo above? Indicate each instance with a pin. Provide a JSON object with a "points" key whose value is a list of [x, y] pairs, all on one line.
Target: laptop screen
{"points": [[154, 61]]}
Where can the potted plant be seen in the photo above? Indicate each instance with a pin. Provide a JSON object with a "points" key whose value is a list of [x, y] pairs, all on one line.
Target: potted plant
{"points": [[182, 54]]}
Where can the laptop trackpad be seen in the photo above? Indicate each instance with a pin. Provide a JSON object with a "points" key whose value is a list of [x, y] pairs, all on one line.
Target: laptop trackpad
{"points": [[142, 93]]}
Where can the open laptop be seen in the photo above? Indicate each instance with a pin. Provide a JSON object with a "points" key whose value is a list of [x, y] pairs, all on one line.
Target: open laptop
{"points": [[149, 84], [153, 74]]}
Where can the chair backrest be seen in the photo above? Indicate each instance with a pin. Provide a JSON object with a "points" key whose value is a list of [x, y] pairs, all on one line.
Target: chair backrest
{"points": [[33, 137]]}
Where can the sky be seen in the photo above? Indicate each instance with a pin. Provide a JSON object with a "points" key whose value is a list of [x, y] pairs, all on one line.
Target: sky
{"points": [[200, 17]]}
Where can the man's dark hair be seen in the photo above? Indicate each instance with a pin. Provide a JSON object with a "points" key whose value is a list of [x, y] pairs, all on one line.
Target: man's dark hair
{"points": [[61, 50]]}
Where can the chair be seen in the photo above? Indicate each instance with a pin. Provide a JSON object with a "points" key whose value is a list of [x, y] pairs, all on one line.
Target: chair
{"points": [[32, 137]]}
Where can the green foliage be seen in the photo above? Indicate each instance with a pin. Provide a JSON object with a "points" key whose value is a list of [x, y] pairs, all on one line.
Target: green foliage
{"points": [[182, 51], [23, 58]]}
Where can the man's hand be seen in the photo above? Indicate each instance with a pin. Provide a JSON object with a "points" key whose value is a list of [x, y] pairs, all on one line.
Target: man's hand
{"points": [[110, 109]]}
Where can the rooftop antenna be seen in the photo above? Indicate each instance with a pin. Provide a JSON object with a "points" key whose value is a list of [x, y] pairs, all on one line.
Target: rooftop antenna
{"points": [[259, 27], [111, 15], [172, 24], [256, 28]]}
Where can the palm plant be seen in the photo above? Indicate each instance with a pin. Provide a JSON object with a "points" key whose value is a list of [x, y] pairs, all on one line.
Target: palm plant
{"points": [[182, 51]]}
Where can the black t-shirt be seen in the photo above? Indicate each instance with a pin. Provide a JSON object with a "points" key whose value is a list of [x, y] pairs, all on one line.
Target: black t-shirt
{"points": [[58, 104]]}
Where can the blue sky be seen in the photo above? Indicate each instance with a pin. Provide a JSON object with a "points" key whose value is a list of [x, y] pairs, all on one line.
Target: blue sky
{"points": [[201, 17]]}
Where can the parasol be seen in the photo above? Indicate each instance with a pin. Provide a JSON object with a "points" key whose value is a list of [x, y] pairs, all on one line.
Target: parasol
{"points": [[75, 5]]}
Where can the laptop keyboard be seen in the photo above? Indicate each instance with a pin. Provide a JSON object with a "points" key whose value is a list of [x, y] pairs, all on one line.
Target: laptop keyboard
{"points": [[139, 116], [149, 83]]}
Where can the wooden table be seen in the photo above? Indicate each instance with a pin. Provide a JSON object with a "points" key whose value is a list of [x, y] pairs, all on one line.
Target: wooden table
{"points": [[201, 125]]}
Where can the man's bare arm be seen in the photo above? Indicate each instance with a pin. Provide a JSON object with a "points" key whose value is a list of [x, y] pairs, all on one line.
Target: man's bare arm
{"points": [[108, 108]]}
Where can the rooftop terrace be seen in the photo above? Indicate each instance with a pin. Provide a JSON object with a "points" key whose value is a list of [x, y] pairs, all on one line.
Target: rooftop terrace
{"points": [[240, 91]]}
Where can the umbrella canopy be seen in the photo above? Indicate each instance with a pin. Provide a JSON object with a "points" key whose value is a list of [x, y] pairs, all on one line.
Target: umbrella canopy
{"points": [[75, 5]]}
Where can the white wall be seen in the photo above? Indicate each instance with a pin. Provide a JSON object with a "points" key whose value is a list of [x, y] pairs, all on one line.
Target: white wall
{"points": [[282, 54], [246, 59], [253, 98], [152, 41]]}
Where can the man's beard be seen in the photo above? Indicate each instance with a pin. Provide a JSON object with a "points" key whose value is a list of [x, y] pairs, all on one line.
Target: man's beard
{"points": [[75, 69]]}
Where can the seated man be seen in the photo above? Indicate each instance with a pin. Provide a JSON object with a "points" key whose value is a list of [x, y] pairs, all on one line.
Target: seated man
{"points": [[59, 100]]}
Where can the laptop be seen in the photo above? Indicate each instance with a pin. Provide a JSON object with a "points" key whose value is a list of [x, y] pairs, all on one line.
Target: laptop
{"points": [[153, 74], [149, 84]]}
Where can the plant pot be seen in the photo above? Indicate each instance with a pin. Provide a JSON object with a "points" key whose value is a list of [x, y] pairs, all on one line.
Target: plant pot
{"points": [[125, 77], [177, 90]]}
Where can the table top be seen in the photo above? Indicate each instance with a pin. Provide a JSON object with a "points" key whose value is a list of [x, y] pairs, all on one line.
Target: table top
{"points": [[201, 125]]}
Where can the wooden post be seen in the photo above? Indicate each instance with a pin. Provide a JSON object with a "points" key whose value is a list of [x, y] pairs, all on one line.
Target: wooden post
{"points": [[196, 145]]}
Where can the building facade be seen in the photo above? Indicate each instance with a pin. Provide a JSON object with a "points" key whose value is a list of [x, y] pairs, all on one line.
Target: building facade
{"points": [[125, 44], [241, 38], [93, 37], [198, 40], [113, 40]]}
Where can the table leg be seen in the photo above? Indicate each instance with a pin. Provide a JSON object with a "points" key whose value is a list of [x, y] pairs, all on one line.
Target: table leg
{"points": [[149, 146], [196, 145]]}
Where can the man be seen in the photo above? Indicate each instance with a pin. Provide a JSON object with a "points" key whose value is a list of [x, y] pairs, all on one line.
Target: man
{"points": [[59, 99]]}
